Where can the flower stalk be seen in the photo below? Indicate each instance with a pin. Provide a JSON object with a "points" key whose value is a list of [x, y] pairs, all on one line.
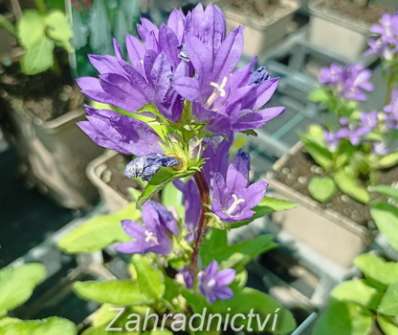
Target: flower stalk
{"points": [[205, 200]]}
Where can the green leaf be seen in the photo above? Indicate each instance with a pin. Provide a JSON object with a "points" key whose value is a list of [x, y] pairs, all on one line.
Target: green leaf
{"points": [[267, 206], [388, 327], [386, 219], [359, 292], [31, 28], [389, 303], [38, 57], [319, 95], [375, 268], [249, 299], [322, 188], [7, 321], [98, 232], [172, 198], [214, 242], [216, 247], [321, 155], [387, 190], [50, 326], [342, 318], [351, 186], [58, 29], [17, 285], [388, 161], [164, 176], [250, 249], [316, 134], [115, 292], [150, 278], [102, 331]]}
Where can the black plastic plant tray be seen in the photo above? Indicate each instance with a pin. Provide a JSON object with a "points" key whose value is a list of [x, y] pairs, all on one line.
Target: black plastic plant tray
{"points": [[27, 217]]}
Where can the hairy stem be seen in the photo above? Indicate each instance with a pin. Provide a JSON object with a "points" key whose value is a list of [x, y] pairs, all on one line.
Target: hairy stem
{"points": [[205, 199]]}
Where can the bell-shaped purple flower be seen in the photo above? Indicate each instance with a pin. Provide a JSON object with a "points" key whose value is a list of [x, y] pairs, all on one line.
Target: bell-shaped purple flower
{"points": [[146, 78], [351, 82], [186, 277], [384, 41], [331, 75], [147, 166], [233, 199], [111, 130], [154, 235], [229, 101], [192, 205], [214, 283]]}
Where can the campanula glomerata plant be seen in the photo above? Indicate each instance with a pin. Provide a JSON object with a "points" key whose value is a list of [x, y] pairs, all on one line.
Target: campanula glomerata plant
{"points": [[359, 144], [175, 104]]}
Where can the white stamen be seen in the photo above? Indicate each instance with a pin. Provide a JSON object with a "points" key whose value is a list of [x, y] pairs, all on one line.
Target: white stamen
{"points": [[234, 206], [219, 91], [151, 238], [211, 283]]}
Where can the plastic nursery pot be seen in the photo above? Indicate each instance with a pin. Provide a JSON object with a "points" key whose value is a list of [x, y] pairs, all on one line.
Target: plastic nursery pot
{"points": [[57, 153], [261, 33], [41, 114], [326, 231], [341, 28], [106, 173]]}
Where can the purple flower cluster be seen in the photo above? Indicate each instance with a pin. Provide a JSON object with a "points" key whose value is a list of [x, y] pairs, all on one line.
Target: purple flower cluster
{"points": [[354, 132], [190, 59], [213, 282], [352, 82], [384, 41], [154, 235]]}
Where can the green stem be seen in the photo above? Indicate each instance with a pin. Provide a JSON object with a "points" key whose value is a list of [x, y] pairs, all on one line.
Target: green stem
{"points": [[390, 86], [205, 200], [41, 6]]}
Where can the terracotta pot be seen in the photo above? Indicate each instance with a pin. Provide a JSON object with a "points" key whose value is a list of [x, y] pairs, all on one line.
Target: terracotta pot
{"points": [[326, 232], [339, 35], [261, 34], [56, 154], [100, 175]]}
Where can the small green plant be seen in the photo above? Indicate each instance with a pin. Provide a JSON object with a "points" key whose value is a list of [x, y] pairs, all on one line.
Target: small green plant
{"points": [[39, 32], [16, 287], [370, 301]]}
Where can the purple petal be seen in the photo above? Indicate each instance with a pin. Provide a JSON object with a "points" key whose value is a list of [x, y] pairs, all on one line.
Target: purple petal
{"points": [[168, 42], [229, 54], [122, 92], [165, 217], [92, 88], [238, 172], [265, 92], [117, 50], [120, 133], [135, 49], [255, 193], [176, 22], [224, 293], [106, 64], [225, 277], [187, 87]]}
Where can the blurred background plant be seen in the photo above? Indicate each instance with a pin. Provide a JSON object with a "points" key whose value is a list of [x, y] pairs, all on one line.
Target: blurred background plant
{"points": [[367, 304]]}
